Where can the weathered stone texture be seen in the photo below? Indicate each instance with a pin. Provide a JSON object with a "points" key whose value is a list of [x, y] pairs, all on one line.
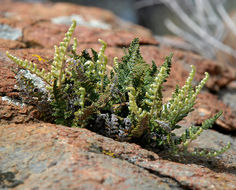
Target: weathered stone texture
{"points": [[35, 155], [46, 156]]}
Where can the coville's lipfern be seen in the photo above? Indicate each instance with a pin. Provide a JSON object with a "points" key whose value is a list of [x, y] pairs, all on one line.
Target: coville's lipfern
{"points": [[125, 104]]}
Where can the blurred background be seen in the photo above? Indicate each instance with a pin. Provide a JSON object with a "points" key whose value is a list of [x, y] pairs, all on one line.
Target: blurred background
{"points": [[206, 27]]}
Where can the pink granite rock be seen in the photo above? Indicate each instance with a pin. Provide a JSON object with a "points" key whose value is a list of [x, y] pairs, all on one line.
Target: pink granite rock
{"points": [[37, 155], [46, 156]]}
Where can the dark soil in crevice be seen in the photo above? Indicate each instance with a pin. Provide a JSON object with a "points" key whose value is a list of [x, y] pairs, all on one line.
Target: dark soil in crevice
{"points": [[223, 131]]}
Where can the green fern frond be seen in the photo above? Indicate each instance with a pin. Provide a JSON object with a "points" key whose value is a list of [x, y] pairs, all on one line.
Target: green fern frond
{"points": [[57, 72], [101, 64], [32, 67], [193, 132], [58, 64], [154, 94], [213, 153], [182, 100]]}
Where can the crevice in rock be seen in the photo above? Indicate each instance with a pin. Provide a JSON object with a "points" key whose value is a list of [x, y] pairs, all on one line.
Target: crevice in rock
{"points": [[166, 178], [174, 183], [7, 180], [32, 44], [219, 129]]}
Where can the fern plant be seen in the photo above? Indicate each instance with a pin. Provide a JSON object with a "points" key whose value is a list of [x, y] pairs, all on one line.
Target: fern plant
{"points": [[125, 104]]}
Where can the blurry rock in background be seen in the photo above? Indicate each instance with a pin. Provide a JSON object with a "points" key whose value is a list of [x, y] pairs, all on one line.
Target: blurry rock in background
{"points": [[202, 26], [205, 25], [34, 1], [122, 8]]}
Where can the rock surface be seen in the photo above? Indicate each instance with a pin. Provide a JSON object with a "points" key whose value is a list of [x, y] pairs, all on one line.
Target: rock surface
{"points": [[37, 155], [46, 156]]}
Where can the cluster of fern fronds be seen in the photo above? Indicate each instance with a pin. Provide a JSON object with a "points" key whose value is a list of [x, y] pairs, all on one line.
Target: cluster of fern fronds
{"points": [[125, 104]]}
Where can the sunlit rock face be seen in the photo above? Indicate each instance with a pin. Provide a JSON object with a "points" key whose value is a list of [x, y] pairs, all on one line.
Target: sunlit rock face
{"points": [[38, 155]]}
